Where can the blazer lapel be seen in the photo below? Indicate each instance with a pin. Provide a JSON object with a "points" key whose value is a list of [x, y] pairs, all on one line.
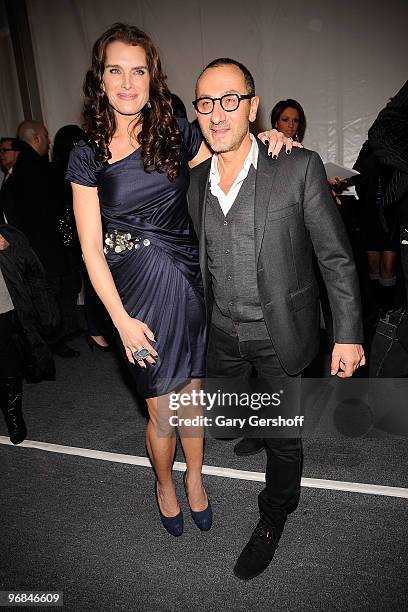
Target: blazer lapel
{"points": [[265, 174]]}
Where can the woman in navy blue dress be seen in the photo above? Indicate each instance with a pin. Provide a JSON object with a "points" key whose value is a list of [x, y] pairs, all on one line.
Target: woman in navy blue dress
{"points": [[134, 171]]}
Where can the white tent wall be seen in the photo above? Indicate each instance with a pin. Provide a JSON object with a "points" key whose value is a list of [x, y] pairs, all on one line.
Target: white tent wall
{"points": [[342, 60], [11, 110]]}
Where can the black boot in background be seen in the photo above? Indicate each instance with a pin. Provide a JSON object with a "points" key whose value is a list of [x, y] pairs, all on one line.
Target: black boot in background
{"points": [[11, 396]]}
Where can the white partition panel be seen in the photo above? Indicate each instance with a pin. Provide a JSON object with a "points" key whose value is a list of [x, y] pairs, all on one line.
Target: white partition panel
{"points": [[341, 60], [11, 110]]}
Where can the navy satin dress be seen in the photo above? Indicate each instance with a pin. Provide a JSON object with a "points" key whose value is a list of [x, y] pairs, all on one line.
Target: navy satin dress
{"points": [[157, 272]]}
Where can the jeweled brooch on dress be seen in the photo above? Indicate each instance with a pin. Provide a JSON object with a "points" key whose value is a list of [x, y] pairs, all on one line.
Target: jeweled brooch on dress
{"points": [[119, 241]]}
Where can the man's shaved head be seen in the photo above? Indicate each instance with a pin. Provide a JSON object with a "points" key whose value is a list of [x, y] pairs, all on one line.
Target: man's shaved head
{"points": [[35, 134]]}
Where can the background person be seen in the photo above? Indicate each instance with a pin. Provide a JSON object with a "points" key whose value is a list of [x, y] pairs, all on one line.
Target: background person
{"points": [[288, 117], [96, 316], [380, 242], [388, 139], [31, 203], [28, 313], [9, 151]]}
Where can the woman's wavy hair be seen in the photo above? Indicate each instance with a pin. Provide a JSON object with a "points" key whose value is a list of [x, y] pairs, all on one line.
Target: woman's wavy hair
{"points": [[282, 106], [160, 138]]}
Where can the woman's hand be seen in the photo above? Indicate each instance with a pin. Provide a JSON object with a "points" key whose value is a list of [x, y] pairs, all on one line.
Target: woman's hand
{"points": [[276, 141], [337, 183], [135, 336]]}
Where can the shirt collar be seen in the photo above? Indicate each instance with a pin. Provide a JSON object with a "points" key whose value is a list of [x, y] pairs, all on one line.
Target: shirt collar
{"points": [[251, 159]]}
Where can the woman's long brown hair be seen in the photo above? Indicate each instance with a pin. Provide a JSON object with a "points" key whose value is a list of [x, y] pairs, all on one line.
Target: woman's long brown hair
{"points": [[160, 138]]}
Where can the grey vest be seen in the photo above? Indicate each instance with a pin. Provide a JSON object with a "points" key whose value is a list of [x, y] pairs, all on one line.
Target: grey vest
{"points": [[230, 244]]}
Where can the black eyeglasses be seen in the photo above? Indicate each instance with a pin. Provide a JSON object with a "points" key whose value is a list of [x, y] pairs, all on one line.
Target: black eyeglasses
{"points": [[5, 150], [229, 103]]}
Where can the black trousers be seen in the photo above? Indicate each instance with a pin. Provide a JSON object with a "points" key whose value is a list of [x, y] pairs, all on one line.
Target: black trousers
{"points": [[9, 364], [97, 319], [229, 358], [66, 289]]}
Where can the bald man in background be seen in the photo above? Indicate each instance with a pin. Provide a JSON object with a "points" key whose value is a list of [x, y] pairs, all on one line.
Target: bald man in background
{"points": [[29, 188], [35, 134], [33, 205]]}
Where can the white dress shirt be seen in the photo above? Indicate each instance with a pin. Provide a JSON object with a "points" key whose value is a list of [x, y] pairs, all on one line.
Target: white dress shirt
{"points": [[227, 200]]}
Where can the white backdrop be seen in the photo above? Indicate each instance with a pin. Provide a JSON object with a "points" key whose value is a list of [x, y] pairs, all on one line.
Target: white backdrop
{"points": [[342, 60], [11, 111]]}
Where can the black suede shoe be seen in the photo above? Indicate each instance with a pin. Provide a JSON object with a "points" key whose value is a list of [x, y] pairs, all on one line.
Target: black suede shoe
{"points": [[259, 551], [173, 524], [249, 446]]}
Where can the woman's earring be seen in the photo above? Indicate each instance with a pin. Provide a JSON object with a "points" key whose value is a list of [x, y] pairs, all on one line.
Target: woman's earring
{"points": [[149, 104]]}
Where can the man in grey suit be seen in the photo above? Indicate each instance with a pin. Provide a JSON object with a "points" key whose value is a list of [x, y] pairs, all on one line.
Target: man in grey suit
{"points": [[258, 221]]}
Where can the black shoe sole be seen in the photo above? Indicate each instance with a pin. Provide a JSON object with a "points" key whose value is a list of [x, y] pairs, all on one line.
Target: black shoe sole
{"points": [[246, 578]]}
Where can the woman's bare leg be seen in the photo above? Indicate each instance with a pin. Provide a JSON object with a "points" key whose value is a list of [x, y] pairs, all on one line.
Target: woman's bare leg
{"points": [[192, 441], [161, 447]]}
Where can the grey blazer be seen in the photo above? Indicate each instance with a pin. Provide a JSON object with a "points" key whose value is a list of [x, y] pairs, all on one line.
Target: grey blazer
{"points": [[294, 216]]}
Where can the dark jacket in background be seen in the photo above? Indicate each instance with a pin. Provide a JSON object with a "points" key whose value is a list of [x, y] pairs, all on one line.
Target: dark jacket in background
{"points": [[32, 203], [388, 138], [34, 303], [371, 186]]}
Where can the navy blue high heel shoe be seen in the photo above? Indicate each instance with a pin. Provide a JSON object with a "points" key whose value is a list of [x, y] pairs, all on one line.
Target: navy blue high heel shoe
{"points": [[173, 524], [203, 518]]}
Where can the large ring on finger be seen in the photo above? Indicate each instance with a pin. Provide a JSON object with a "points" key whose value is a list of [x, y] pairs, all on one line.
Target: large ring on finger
{"points": [[141, 354]]}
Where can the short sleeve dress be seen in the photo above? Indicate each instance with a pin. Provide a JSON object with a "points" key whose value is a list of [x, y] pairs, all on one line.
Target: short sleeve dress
{"points": [[152, 252]]}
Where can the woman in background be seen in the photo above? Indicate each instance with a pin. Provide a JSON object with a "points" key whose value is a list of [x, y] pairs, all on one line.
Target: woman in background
{"points": [[95, 313], [288, 117]]}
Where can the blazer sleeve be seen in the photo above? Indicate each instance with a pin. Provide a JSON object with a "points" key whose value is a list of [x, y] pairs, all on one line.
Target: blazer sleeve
{"points": [[193, 199], [334, 255]]}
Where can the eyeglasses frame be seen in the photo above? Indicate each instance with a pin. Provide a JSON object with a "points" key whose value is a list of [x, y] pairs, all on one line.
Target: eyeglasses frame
{"points": [[214, 100]]}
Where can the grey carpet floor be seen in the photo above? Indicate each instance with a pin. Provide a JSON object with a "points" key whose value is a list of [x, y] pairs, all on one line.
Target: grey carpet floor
{"points": [[90, 528]]}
